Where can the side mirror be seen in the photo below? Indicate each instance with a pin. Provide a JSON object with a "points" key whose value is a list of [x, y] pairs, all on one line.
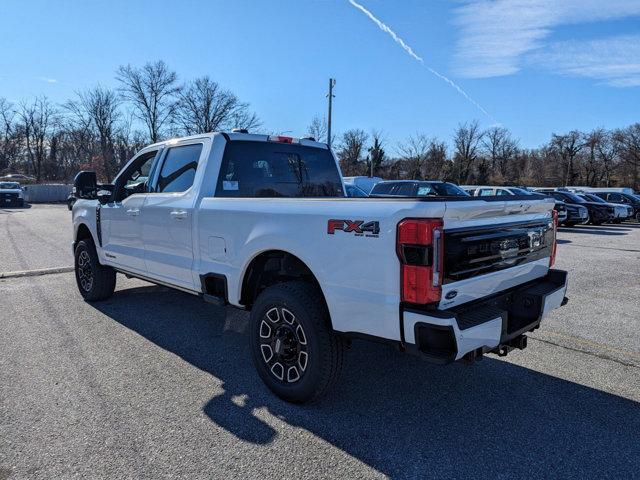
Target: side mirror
{"points": [[86, 184], [104, 196]]}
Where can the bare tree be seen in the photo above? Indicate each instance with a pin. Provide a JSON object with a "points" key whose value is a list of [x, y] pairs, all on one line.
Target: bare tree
{"points": [[413, 153], [352, 150], [566, 148], [9, 138], [127, 140], [203, 106], [318, 128], [608, 153], [500, 149], [436, 159], [628, 141], [97, 109], [376, 156], [466, 141], [151, 90], [37, 122]]}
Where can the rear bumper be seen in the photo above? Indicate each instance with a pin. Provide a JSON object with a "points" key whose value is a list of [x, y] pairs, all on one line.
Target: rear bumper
{"points": [[574, 216], [494, 324]]}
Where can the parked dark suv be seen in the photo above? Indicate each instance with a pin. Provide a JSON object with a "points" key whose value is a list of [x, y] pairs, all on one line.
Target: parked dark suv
{"points": [[627, 199], [417, 188], [598, 212]]}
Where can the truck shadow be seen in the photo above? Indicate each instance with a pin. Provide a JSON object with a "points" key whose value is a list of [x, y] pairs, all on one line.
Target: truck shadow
{"points": [[397, 413]]}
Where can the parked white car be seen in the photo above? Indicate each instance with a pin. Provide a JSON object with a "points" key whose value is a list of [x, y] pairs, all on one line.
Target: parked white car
{"points": [[11, 194], [262, 223]]}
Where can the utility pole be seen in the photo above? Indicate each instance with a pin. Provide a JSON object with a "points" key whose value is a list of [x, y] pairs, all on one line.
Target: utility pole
{"points": [[332, 83]]}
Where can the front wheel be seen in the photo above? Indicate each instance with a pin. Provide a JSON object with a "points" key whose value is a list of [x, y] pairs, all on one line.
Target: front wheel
{"points": [[95, 281], [294, 350]]}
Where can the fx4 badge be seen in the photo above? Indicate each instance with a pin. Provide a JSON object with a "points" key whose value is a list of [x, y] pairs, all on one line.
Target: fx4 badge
{"points": [[358, 227]]}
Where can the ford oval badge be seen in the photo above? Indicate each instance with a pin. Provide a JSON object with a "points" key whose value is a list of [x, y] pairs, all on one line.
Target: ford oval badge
{"points": [[451, 295]]}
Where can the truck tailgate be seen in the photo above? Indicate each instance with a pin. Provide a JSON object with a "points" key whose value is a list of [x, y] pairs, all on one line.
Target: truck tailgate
{"points": [[490, 246]]}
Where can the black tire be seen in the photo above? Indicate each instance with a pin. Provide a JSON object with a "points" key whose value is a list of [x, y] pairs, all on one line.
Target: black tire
{"points": [[319, 368], [95, 281]]}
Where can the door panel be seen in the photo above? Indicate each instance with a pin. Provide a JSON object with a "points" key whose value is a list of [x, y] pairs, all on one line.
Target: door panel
{"points": [[166, 234], [168, 217], [122, 232]]}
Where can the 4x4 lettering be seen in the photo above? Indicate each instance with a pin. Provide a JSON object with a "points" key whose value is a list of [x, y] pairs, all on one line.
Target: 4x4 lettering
{"points": [[353, 226], [359, 227]]}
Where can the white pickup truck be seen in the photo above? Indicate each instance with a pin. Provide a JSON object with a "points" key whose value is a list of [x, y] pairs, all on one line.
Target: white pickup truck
{"points": [[263, 223]]}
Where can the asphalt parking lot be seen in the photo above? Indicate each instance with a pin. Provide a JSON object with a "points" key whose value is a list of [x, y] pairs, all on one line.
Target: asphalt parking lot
{"points": [[154, 383]]}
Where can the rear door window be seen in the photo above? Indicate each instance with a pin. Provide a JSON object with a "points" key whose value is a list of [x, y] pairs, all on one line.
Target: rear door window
{"points": [[382, 188], [179, 168], [269, 169]]}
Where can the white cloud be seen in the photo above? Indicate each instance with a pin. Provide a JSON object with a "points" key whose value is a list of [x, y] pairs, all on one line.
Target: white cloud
{"points": [[613, 60], [47, 79], [496, 34]]}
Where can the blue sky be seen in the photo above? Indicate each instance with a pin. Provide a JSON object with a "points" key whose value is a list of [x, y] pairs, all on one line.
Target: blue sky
{"points": [[536, 66]]}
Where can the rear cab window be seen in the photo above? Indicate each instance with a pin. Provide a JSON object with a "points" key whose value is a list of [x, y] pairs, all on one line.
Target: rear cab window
{"points": [[270, 169]]}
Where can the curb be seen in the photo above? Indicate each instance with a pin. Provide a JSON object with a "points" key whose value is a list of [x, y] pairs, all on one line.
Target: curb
{"points": [[35, 273]]}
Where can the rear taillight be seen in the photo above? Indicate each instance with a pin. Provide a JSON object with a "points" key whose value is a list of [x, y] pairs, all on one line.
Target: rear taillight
{"points": [[420, 247], [554, 246]]}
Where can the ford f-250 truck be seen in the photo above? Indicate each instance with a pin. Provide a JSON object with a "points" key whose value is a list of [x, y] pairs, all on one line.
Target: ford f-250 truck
{"points": [[263, 223]]}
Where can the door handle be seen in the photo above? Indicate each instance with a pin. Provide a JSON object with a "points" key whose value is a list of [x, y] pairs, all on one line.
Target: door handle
{"points": [[178, 214], [134, 212]]}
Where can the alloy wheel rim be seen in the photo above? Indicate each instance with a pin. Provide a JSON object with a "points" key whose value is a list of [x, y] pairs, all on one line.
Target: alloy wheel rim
{"points": [[283, 345], [85, 273]]}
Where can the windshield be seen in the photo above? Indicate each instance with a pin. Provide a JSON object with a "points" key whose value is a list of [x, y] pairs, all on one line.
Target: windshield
{"points": [[574, 197], [592, 198], [354, 191], [520, 191], [443, 189], [9, 185]]}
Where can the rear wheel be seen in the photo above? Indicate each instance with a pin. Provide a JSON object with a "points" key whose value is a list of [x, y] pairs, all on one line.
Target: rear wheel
{"points": [[95, 281], [294, 350]]}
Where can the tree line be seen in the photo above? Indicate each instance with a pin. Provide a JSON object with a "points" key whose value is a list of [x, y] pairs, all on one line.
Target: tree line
{"points": [[102, 128], [599, 158]]}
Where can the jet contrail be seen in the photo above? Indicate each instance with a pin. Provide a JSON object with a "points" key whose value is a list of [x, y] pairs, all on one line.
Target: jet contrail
{"points": [[415, 56]]}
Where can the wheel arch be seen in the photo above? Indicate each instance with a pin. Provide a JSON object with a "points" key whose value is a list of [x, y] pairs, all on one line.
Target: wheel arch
{"points": [[83, 233], [271, 267]]}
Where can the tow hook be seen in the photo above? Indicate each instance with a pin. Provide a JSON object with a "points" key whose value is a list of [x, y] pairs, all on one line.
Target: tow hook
{"points": [[472, 356], [520, 342]]}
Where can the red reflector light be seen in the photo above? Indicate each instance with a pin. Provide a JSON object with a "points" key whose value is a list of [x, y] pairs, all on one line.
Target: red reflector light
{"points": [[421, 283], [554, 247], [281, 139]]}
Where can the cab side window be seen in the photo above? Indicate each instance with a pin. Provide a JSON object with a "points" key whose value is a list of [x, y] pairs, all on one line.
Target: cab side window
{"points": [[136, 178], [486, 192], [179, 168]]}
